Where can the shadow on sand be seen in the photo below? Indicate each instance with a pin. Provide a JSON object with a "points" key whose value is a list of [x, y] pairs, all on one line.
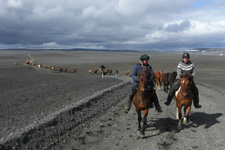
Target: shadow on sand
{"points": [[207, 120], [170, 124]]}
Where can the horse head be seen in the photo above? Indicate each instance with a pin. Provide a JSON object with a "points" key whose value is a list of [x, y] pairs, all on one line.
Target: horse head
{"points": [[186, 80], [143, 80]]}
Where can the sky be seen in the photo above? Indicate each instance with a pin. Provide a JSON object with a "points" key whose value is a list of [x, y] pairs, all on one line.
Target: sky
{"points": [[148, 25]]}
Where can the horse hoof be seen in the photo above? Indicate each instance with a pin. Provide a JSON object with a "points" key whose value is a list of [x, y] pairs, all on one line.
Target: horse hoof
{"points": [[140, 135], [179, 127], [185, 120]]}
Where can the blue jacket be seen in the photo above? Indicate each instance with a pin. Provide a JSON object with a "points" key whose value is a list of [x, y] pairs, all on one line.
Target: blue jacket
{"points": [[138, 68]]}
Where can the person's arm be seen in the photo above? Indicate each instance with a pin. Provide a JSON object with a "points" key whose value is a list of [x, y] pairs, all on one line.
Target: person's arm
{"points": [[178, 71], [193, 71], [134, 73], [152, 76]]}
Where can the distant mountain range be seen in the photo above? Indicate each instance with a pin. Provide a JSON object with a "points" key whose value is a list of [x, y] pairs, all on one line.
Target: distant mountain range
{"points": [[205, 49], [72, 49], [113, 50]]}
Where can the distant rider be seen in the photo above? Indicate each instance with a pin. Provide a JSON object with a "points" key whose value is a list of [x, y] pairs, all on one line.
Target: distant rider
{"points": [[185, 66], [142, 66]]}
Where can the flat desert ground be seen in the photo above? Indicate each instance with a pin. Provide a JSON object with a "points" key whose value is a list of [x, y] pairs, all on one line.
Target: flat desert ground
{"points": [[30, 97]]}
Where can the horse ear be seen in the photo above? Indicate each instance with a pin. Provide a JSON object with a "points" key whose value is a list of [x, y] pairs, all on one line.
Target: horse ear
{"points": [[181, 76]]}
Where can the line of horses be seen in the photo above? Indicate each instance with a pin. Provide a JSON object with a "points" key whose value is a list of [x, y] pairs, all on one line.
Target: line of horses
{"points": [[142, 99], [103, 71], [59, 69]]}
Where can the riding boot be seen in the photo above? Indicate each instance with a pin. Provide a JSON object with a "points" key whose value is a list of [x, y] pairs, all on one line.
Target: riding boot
{"points": [[151, 104], [156, 102], [128, 105], [174, 88], [196, 96]]}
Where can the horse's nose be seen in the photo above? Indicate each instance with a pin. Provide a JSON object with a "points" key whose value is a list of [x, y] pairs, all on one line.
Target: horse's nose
{"points": [[142, 89]]}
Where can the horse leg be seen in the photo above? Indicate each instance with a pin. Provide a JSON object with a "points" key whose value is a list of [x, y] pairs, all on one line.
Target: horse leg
{"points": [[180, 118], [166, 90], [185, 116], [144, 121], [140, 130], [139, 119], [158, 84], [188, 114], [177, 113]]}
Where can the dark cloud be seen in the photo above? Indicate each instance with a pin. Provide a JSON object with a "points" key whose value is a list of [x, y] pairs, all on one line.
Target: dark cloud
{"points": [[178, 27], [117, 24]]}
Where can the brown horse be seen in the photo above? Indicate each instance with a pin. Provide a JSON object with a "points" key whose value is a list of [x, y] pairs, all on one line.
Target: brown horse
{"points": [[96, 71], [173, 77], [142, 100], [158, 78], [184, 98], [168, 80], [59, 69], [165, 80], [127, 72]]}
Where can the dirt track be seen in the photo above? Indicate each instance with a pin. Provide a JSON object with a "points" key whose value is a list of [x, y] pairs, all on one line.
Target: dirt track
{"points": [[116, 130], [112, 129]]}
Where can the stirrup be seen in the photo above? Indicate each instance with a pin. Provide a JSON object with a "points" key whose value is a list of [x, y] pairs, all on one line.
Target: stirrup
{"points": [[167, 103], [126, 110], [198, 106], [159, 109]]}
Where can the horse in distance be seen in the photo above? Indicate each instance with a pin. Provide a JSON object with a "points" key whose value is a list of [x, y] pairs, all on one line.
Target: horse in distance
{"points": [[158, 78]]}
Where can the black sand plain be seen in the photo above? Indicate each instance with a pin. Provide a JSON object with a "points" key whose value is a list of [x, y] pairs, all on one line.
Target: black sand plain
{"points": [[29, 94]]}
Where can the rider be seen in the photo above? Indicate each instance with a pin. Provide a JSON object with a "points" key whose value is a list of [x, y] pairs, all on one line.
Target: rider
{"points": [[142, 66], [186, 66]]}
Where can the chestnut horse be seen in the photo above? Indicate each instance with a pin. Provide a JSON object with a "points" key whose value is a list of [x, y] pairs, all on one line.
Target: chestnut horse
{"points": [[142, 100], [184, 98], [158, 78]]}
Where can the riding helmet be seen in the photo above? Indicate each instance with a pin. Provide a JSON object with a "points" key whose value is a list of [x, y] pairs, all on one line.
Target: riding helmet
{"points": [[186, 55], [144, 57]]}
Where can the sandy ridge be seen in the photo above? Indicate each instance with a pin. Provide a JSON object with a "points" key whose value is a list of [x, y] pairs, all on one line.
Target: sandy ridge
{"points": [[62, 120]]}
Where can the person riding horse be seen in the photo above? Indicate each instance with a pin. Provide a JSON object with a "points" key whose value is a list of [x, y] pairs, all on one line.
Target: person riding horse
{"points": [[186, 66], [142, 66]]}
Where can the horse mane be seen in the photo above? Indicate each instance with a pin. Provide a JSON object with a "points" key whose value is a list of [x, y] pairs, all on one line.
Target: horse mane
{"points": [[147, 74], [185, 75]]}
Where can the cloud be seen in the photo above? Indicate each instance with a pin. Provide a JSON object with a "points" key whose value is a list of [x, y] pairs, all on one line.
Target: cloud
{"points": [[117, 24], [51, 44], [178, 27], [14, 4]]}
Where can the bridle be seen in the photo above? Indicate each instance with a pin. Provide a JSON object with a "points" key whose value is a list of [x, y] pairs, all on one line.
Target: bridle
{"points": [[187, 91]]}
